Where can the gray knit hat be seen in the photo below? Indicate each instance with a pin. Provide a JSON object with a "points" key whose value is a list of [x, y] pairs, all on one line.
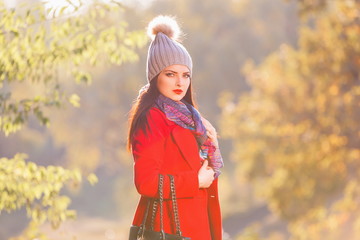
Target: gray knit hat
{"points": [[164, 49]]}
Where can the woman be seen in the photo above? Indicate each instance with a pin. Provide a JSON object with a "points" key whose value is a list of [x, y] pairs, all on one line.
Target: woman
{"points": [[167, 135]]}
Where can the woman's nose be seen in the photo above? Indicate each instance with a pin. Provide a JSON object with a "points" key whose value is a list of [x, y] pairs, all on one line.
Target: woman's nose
{"points": [[179, 81]]}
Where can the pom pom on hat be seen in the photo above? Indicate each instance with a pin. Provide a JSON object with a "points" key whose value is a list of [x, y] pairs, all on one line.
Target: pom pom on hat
{"points": [[166, 25]]}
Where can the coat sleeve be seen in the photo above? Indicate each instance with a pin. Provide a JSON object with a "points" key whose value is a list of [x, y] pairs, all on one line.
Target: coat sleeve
{"points": [[148, 150]]}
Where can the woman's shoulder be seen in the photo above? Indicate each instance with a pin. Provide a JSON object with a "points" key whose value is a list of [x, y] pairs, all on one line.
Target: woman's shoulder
{"points": [[155, 113], [156, 127], [156, 116]]}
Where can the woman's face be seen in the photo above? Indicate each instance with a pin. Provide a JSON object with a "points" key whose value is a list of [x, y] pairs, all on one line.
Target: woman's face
{"points": [[173, 82]]}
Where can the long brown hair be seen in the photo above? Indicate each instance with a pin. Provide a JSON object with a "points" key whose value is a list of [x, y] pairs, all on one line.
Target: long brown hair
{"points": [[142, 105]]}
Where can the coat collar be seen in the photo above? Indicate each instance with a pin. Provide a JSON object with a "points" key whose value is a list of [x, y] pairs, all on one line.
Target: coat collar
{"points": [[187, 144], [185, 141]]}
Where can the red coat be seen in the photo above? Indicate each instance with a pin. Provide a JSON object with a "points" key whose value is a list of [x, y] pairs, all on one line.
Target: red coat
{"points": [[168, 148]]}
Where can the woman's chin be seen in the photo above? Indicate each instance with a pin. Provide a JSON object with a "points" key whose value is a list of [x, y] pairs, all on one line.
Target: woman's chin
{"points": [[176, 98]]}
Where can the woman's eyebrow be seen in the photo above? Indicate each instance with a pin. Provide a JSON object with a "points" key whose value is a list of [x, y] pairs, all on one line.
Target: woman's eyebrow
{"points": [[168, 70]]}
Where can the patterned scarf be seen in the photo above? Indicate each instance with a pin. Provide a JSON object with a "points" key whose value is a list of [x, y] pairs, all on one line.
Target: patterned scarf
{"points": [[186, 116]]}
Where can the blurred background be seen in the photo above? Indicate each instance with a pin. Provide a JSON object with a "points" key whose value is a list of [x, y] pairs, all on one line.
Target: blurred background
{"points": [[279, 79]]}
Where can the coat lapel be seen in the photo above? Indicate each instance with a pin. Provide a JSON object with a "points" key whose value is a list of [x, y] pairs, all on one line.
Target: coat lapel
{"points": [[186, 142]]}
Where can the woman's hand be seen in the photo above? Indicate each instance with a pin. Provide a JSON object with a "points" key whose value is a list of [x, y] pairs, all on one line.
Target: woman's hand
{"points": [[206, 175], [210, 131]]}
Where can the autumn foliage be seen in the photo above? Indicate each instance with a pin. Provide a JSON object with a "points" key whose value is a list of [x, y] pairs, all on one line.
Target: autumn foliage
{"points": [[296, 133]]}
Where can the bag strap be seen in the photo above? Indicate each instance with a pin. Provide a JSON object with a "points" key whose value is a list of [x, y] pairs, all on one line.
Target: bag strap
{"points": [[160, 201], [142, 226], [152, 223], [143, 223], [175, 207]]}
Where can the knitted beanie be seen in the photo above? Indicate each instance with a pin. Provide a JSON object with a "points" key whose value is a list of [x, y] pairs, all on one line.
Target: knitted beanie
{"points": [[165, 50]]}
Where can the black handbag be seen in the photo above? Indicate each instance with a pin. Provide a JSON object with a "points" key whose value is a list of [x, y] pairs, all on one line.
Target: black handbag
{"points": [[141, 233]]}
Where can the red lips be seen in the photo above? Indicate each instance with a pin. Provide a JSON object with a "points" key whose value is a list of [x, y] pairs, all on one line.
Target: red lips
{"points": [[178, 91]]}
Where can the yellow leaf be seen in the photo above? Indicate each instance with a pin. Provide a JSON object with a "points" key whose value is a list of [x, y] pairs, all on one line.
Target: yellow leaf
{"points": [[92, 178], [74, 99]]}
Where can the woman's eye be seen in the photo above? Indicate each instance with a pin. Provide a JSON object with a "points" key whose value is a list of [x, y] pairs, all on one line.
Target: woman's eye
{"points": [[170, 74], [187, 76]]}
